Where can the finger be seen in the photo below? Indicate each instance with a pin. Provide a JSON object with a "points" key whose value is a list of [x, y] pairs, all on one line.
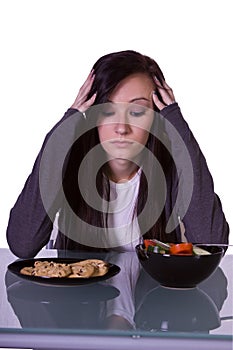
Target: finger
{"points": [[169, 90], [166, 85], [167, 98], [160, 105], [90, 75], [87, 104], [83, 91], [161, 83], [165, 91], [85, 88], [158, 83]]}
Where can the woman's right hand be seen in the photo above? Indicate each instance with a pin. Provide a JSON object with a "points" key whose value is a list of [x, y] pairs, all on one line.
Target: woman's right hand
{"points": [[80, 102]]}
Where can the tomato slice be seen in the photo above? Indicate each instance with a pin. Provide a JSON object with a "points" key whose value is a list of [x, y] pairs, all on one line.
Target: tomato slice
{"points": [[181, 249]]}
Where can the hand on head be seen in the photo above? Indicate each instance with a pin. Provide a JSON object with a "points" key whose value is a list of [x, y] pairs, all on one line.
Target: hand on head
{"points": [[165, 96], [162, 96], [80, 103]]}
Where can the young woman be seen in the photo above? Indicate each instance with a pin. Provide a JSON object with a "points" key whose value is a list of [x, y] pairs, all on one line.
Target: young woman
{"points": [[121, 165]]}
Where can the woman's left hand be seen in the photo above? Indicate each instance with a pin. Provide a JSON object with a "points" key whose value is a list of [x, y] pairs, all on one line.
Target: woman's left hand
{"points": [[166, 93]]}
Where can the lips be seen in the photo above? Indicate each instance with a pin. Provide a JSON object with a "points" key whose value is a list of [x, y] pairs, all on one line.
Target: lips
{"points": [[121, 143]]}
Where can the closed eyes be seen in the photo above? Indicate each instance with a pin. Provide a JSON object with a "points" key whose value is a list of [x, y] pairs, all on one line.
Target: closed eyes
{"points": [[133, 112]]}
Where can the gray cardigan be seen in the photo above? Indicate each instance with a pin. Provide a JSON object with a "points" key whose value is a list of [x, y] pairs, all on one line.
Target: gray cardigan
{"points": [[190, 196]]}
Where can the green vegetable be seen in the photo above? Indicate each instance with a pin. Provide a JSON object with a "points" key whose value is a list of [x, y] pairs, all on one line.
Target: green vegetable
{"points": [[200, 251]]}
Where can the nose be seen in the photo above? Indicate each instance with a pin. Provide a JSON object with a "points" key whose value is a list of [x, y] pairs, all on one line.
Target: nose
{"points": [[122, 126], [122, 129]]}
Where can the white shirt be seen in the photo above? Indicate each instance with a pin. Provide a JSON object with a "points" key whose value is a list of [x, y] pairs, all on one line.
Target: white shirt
{"points": [[122, 213]]}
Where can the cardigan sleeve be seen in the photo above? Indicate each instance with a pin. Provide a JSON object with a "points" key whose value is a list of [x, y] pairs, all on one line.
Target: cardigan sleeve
{"points": [[194, 199], [31, 219]]}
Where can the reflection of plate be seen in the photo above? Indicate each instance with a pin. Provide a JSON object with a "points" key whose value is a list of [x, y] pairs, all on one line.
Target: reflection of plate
{"points": [[17, 265], [48, 306], [34, 292]]}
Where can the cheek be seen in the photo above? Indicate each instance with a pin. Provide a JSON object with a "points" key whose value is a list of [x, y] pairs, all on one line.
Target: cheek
{"points": [[105, 132], [102, 133], [142, 137], [143, 132], [99, 128]]}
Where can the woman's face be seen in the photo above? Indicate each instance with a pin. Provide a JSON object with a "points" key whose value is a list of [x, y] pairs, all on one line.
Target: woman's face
{"points": [[125, 121]]}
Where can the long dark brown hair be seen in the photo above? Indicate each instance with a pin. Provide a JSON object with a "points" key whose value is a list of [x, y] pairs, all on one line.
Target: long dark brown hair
{"points": [[109, 71]]}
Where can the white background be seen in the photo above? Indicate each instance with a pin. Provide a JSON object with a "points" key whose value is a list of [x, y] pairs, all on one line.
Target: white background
{"points": [[49, 46]]}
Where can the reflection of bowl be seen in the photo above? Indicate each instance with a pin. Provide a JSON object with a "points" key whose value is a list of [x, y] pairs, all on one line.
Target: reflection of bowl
{"points": [[180, 271], [165, 309]]}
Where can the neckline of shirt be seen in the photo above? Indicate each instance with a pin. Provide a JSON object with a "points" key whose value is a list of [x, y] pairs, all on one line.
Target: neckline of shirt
{"points": [[127, 183]]}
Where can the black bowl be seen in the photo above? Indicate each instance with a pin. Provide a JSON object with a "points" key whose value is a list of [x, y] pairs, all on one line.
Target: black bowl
{"points": [[179, 271]]}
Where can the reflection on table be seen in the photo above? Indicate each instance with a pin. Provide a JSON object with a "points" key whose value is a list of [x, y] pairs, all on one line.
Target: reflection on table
{"points": [[129, 300]]}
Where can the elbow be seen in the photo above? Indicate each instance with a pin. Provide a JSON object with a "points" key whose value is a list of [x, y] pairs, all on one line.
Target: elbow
{"points": [[19, 247], [21, 251], [26, 240]]}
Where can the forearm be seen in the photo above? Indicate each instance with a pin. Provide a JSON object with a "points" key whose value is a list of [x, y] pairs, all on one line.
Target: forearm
{"points": [[30, 224], [197, 203]]}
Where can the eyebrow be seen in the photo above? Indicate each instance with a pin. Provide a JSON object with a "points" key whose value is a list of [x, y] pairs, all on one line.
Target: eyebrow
{"points": [[134, 99]]}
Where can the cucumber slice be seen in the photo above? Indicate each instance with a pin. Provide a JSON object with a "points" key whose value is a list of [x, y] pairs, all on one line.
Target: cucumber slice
{"points": [[200, 251]]}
